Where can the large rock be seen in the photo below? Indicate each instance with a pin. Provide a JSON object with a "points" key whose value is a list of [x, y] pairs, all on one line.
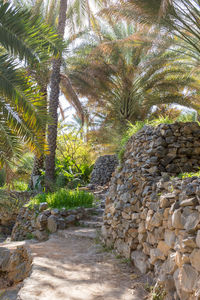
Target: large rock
{"points": [[140, 261], [188, 277], [52, 224], [195, 259], [15, 265]]}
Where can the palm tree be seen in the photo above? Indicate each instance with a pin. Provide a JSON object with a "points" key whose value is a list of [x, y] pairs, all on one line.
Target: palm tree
{"points": [[41, 72], [141, 11], [54, 101], [123, 76], [181, 17], [66, 84], [23, 38]]}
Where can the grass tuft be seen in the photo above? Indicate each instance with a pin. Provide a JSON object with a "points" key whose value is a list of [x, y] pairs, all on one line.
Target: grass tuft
{"points": [[63, 198]]}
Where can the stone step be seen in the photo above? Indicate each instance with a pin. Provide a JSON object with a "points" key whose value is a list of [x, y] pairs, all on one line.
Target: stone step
{"points": [[96, 218], [79, 232], [91, 224], [99, 211]]}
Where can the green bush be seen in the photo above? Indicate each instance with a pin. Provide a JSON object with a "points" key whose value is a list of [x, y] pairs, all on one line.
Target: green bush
{"points": [[64, 198]]}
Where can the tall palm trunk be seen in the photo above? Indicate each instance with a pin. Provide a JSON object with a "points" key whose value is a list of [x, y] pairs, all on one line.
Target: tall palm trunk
{"points": [[53, 103], [38, 164]]}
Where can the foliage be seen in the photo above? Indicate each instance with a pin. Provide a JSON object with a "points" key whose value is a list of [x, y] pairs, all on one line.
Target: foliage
{"points": [[188, 117], [9, 201], [16, 185], [64, 198], [189, 175], [124, 75], [25, 40], [74, 161]]}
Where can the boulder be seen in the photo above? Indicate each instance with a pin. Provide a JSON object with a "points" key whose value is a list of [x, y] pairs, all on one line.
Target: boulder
{"points": [[140, 261], [52, 224]]}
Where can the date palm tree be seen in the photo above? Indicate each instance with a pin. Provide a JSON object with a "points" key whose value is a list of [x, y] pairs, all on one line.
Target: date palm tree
{"points": [[26, 39], [181, 17], [53, 102], [124, 75]]}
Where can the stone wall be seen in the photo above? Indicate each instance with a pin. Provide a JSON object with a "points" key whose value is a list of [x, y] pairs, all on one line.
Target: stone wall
{"points": [[152, 218], [103, 169], [10, 204], [15, 265], [40, 221]]}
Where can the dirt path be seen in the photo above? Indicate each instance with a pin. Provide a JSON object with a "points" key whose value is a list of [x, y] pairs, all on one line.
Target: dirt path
{"points": [[71, 266]]}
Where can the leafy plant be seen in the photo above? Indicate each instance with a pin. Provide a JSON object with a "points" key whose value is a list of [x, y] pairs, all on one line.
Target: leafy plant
{"points": [[189, 175], [64, 198]]}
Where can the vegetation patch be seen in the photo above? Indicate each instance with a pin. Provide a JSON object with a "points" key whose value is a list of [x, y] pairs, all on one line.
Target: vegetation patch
{"points": [[189, 175], [64, 198]]}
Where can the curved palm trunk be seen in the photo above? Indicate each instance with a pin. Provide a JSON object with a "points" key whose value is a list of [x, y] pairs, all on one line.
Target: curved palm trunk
{"points": [[53, 103]]}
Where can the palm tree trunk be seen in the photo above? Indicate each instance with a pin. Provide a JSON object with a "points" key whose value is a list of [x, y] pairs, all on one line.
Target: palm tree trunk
{"points": [[38, 164], [53, 103]]}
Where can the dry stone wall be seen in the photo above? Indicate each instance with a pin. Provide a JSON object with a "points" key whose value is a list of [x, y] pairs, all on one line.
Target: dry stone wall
{"points": [[15, 265], [10, 204], [103, 169], [41, 220], [152, 218]]}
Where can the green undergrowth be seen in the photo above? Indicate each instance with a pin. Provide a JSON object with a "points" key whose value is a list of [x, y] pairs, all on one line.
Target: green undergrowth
{"points": [[63, 198], [189, 175], [16, 185]]}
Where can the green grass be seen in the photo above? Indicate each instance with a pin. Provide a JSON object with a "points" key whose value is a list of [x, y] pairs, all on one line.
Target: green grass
{"points": [[189, 175], [16, 185], [64, 198]]}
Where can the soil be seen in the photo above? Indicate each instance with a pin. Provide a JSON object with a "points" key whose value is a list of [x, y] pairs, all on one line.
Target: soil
{"points": [[72, 265]]}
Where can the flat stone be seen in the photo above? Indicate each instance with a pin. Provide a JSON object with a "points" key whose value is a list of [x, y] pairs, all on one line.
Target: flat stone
{"points": [[163, 247], [156, 254], [170, 238], [192, 221], [123, 248], [189, 202], [55, 211], [41, 235], [195, 259], [70, 219], [177, 219], [4, 257], [43, 206], [52, 224], [140, 261], [198, 238], [182, 294], [188, 277], [156, 220]]}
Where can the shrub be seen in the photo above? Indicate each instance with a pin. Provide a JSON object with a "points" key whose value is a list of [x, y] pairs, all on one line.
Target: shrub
{"points": [[64, 198]]}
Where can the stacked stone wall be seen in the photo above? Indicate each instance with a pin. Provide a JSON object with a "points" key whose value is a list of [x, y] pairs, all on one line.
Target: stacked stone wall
{"points": [[10, 204], [103, 169], [152, 218]]}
